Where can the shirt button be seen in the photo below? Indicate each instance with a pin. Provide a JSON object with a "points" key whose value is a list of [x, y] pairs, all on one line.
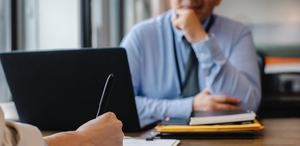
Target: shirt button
{"points": [[201, 55]]}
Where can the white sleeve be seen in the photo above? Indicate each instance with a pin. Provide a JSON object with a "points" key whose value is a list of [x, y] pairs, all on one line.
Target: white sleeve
{"points": [[17, 134]]}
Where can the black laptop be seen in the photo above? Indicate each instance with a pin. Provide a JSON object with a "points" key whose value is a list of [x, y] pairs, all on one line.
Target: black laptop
{"points": [[61, 89]]}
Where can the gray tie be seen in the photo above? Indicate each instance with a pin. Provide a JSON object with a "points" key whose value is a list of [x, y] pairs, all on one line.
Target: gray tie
{"points": [[190, 85]]}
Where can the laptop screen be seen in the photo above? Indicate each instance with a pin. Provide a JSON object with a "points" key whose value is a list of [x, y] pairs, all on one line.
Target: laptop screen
{"points": [[61, 89]]}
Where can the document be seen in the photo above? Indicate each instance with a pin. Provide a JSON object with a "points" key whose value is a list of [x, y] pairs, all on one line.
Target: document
{"points": [[215, 117], [210, 128], [154, 142]]}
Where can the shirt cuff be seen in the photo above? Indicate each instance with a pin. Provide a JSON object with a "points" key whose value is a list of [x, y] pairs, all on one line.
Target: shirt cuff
{"points": [[208, 52], [181, 108], [45, 144]]}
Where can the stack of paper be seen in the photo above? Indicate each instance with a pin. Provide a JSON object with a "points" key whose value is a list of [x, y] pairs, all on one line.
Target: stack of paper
{"points": [[155, 142], [215, 117], [210, 128], [212, 124]]}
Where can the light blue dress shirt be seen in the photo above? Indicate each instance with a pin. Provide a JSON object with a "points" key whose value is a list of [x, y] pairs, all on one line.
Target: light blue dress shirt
{"points": [[227, 65]]}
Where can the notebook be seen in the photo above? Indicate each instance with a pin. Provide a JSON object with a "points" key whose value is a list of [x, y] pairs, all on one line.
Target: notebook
{"points": [[214, 117], [61, 89]]}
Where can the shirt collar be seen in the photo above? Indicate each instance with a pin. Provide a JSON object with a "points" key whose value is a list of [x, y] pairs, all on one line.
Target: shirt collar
{"points": [[179, 34]]}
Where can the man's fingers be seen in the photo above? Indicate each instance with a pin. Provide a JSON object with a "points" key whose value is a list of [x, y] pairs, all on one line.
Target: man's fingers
{"points": [[178, 19], [226, 99], [173, 19], [182, 11], [205, 91], [107, 115], [221, 106], [176, 23]]}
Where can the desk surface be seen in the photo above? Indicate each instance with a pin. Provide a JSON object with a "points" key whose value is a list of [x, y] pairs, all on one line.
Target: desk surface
{"points": [[276, 132]]}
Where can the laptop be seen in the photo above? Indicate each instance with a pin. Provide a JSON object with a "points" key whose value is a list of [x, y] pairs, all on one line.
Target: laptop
{"points": [[61, 89]]}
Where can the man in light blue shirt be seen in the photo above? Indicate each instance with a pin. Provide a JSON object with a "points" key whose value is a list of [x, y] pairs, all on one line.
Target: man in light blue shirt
{"points": [[228, 74]]}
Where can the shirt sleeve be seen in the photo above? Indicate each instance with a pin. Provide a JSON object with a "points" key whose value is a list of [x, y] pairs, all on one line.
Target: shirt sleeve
{"points": [[235, 75], [23, 134], [13, 133], [162, 108]]}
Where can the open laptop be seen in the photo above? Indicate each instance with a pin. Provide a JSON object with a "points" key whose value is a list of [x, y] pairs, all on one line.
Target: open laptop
{"points": [[61, 89]]}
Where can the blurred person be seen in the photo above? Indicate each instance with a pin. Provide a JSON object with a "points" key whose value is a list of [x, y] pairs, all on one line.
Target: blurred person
{"points": [[189, 59]]}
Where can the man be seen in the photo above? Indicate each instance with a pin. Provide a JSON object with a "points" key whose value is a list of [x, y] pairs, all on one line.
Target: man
{"points": [[105, 130], [224, 74]]}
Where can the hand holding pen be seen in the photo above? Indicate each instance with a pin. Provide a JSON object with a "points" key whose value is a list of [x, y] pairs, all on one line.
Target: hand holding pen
{"points": [[105, 129]]}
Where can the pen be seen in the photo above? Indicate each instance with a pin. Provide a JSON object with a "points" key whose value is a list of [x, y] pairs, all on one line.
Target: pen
{"points": [[105, 95]]}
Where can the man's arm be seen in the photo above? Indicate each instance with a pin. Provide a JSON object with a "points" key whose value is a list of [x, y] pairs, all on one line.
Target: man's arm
{"points": [[234, 77], [104, 130], [162, 108], [237, 75]]}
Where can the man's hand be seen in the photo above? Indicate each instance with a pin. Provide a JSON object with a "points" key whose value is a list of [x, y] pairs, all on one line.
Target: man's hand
{"points": [[204, 101], [104, 130], [189, 23]]}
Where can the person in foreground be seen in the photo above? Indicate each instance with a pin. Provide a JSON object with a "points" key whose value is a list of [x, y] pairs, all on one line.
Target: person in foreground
{"points": [[224, 74], [106, 130]]}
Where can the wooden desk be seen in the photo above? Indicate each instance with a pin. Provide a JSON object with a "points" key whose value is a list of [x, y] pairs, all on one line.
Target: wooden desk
{"points": [[277, 132]]}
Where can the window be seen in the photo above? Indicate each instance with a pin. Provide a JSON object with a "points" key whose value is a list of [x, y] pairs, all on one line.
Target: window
{"points": [[273, 22], [58, 24], [4, 45], [48, 24], [112, 19]]}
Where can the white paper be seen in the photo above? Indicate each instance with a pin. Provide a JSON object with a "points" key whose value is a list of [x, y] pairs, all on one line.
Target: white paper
{"points": [[10, 111], [282, 68], [155, 142]]}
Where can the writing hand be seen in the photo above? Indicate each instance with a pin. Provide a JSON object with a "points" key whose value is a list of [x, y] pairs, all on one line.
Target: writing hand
{"points": [[104, 130]]}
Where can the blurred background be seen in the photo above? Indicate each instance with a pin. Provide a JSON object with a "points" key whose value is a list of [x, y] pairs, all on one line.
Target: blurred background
{"points": [[65, 24]]}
